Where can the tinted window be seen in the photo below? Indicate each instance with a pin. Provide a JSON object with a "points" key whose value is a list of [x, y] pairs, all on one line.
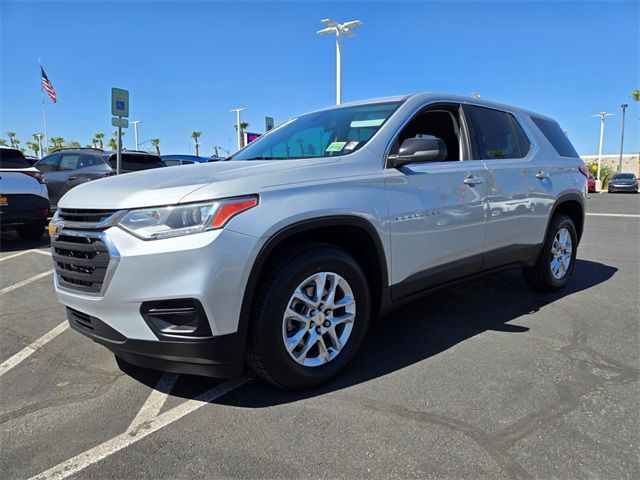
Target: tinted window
{"points": [[48, 163], [171, 163], [556, 137], [10, 158], [496, 134], [69, 161], [134, 163], [624, 176]]}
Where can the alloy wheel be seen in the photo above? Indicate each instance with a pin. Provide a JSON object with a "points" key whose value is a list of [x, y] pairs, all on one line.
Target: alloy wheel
{"points": [[318, 319]]}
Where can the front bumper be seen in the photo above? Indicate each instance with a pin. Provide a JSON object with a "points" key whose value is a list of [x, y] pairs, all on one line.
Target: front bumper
{"points": [[210, 267], [219, 357], [623, 188]]}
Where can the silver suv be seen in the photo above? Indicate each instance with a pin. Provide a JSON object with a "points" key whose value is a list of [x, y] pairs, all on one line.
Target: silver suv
{"points": [[284, 254]]}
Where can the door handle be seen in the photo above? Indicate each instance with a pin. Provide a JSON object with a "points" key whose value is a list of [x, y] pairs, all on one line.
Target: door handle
{"points": [[473, 181], [542, 175], [71, 178]]}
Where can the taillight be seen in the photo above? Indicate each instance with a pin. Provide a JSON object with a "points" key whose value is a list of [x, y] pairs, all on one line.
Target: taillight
{"points": [[584, 170], [37, 175]]}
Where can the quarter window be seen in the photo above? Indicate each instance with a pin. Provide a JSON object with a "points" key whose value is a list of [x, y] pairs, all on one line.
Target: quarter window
{"points": [[496, 134], [556, 137]]}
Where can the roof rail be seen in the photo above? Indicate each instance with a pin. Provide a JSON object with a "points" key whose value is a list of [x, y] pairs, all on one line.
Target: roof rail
{"points": [[76, 148]]}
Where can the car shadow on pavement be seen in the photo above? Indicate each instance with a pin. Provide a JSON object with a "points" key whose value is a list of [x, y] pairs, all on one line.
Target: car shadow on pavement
{"points": [[415, 332], [10, 242]]}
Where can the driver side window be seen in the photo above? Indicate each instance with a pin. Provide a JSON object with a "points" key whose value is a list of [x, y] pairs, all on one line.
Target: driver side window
{"points": [[435, 122]]}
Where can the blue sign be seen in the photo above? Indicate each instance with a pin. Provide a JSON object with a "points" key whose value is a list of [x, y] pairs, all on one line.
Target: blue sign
{"points": [[119, 105]]}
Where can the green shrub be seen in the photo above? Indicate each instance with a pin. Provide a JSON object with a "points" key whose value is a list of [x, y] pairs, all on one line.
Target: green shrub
{"points": [[606, 171]]}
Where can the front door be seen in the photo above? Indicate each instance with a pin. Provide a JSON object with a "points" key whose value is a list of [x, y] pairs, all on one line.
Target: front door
{"points": [[436, 209]]}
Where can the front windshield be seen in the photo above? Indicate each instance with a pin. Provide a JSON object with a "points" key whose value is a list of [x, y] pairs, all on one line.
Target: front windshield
{"points": [[329, 133], [624, 176]]}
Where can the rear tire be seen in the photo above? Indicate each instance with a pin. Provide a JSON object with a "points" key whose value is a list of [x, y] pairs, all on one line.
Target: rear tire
{"points": [[299, 338], [557, 259], [31, 232]]}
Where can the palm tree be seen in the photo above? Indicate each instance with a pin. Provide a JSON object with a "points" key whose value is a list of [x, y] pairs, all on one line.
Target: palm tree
{"points": [[195, 135], [636, 94], [98, 138], [243, 127], [35, 146], [12, 136], [57, 142], [73, 144], [3, 141], [156, 143], [113, 144]]}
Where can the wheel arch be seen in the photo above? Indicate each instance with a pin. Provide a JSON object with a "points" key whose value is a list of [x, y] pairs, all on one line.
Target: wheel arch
{"points": [[572, 205], [361, 241]]}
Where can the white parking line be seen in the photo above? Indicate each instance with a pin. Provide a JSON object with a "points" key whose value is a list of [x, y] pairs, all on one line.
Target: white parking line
{"points": [[14, 255], [25, 282], [41, 252], [137, 432], [626, 215], [154, 403], [32, 348]]}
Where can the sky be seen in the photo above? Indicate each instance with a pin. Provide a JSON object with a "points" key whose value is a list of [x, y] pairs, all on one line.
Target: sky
{"points": [[186, 64]]}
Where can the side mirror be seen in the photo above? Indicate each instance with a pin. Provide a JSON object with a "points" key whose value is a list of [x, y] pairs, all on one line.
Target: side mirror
{"points": [[419, 150]]}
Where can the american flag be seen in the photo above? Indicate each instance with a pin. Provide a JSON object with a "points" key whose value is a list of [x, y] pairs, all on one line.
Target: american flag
{"points": [[47, 86]]}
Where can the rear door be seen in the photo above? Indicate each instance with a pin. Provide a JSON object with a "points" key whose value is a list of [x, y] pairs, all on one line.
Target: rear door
{"points": [[436, 209], [516, 210], [49, 167]]}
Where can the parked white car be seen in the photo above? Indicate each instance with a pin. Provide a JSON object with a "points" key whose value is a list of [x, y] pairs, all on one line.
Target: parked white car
{"points": [[24, 200]]}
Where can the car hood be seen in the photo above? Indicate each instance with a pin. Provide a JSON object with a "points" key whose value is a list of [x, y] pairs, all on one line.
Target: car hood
{"points": [[165, 186]]}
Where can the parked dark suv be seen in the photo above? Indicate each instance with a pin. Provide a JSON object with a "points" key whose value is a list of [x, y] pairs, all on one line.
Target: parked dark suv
{"points": [[64, 169]]}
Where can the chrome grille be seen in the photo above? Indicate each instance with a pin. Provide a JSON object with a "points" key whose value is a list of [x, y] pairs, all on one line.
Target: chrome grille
{"points": [[84, 218], [81, 261]]}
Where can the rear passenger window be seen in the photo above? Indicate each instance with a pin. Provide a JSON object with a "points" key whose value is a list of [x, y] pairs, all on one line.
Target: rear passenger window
{"points": [[496, 134], [556, 137]]}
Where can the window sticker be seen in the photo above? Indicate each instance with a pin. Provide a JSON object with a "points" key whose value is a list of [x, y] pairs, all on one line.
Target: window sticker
{"points": [[335, 146], [373, 122], [351, 145]]}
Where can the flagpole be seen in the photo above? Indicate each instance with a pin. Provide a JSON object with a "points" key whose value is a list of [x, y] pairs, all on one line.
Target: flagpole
{"points": [[44, 115]]}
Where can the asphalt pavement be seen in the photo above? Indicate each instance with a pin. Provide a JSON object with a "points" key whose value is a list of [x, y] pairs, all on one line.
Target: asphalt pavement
{"points": [[483, 380]]}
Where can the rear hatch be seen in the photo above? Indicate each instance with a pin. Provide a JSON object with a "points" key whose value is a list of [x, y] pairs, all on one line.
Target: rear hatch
{"points": [[135, 162], [19, 185]]}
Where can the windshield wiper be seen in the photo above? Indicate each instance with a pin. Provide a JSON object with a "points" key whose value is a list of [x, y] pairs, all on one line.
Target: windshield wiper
{"points": [[268, 158]]}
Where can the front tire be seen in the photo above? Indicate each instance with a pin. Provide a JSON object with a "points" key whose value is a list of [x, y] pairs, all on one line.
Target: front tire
{"points": [[557, 259], [310, 316]]}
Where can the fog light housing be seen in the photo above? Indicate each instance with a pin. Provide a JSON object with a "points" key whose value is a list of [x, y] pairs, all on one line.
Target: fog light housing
{"points": [[181, 317]]}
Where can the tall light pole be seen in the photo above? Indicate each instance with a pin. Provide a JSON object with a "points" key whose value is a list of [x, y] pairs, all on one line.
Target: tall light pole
{"points": [[135, 131], [624, 108], [602, 116], [340, 30], [39, 137], [238, 110]]}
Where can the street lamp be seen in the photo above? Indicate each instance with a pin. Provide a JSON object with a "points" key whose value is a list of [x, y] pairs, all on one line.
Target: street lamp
{"points": [[624, 108], [238, 110], [602, 116], [339, 29], [39, 137], [135, 131]]}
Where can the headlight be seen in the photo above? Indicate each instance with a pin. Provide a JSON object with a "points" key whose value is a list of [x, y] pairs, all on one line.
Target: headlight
{"points": [[176, 220]]}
